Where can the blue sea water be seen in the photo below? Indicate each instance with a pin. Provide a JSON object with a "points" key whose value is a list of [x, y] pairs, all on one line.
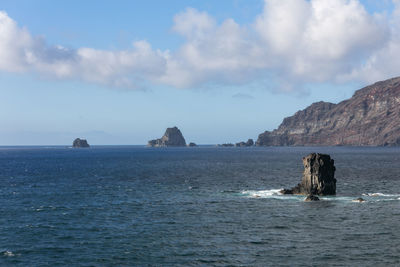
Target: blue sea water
{"points": [[207, 206]]}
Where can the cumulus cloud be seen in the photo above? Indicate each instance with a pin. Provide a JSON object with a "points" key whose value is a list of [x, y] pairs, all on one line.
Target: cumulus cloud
{"points": [[383, 62], [21, 52], [294, 41]]}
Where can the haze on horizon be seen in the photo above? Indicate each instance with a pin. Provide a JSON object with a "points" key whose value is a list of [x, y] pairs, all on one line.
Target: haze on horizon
{"points": [[222, 71]]}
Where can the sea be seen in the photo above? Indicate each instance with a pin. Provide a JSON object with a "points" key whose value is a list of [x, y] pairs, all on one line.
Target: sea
{"points": [[202, 206]]}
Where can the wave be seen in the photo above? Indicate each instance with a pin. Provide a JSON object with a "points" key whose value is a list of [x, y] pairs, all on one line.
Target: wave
{"points": [[380, 195], [262, 193], [275, 193], [8, 253]]}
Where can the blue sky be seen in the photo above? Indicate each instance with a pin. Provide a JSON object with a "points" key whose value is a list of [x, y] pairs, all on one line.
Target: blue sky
{"points": [[120, 72]]}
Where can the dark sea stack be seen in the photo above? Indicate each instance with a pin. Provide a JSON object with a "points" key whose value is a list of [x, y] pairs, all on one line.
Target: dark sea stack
{"points": [[371, 117], [80, 143], [311, 198], [191, 144], [171, 138], [318, 176]]}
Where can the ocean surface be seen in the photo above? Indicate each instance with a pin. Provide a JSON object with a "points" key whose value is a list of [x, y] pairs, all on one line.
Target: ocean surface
{"points": [[204, 206]]}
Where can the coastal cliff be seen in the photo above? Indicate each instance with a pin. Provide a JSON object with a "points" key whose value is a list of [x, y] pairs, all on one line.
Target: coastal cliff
{"points": [[371, 117]]}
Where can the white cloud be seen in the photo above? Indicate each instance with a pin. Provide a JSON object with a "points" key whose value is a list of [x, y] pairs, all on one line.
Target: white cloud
{"points": [[282, 24], [15, 44], [297, 41], [320, 39], [19, 51], [384, 62]]}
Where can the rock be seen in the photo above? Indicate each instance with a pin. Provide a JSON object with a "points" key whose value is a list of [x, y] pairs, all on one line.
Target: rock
{"points": [[80, 143], [191, 144], [359, 200], [172, 137], [249, 142], [240, 144], [318, 176], [371, 117], [286, 192], [311, 198], [226, 145]]}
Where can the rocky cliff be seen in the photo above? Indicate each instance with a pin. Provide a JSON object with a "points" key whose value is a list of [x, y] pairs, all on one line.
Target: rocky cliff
{"points": [[371, 117], [171, 137]]}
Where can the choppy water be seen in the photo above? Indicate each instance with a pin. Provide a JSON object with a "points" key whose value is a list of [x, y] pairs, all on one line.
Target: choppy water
{"points": [[134, 206]]}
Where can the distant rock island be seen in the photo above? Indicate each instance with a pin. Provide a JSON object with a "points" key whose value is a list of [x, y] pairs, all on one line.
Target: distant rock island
{"points": [[171, 138], [249, 142], [371, 117], [191, 144], [80, 143], [226, 145], [318, 177]]}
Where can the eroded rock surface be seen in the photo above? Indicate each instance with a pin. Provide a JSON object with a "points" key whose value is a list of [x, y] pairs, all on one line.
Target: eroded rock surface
{"points": [[318, 176]]}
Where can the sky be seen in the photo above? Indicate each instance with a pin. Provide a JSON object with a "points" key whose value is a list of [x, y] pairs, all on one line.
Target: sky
{"points": [[121, 72]]}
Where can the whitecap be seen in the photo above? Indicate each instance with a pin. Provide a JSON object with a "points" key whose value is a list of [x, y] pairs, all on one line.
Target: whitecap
{"points": [[262, 193], [8, 253], [380, 195], [336, 198]]}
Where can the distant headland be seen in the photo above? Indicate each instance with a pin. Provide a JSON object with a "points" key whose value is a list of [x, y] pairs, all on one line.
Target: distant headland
{"points": [[371, 117]]}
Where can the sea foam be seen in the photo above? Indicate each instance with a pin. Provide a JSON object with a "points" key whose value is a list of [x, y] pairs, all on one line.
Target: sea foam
{"points": [[262, 193], [380, 195], [8, 253]]}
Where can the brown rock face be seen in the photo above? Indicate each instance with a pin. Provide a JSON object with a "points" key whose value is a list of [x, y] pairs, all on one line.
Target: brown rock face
{"points": [[370, 118], [171, 137], [318, 176]]}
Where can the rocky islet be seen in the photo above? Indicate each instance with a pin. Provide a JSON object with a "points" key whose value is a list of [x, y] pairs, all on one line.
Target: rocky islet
{"points": [[80, 143], [172, 138]]}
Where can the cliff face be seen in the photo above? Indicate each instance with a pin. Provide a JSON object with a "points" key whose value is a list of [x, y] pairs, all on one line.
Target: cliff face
{"points": [[371, 117], [171, 137]]}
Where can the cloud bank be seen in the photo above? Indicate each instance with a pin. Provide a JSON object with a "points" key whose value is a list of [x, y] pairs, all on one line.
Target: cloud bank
{"points": [[294, 41]]}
